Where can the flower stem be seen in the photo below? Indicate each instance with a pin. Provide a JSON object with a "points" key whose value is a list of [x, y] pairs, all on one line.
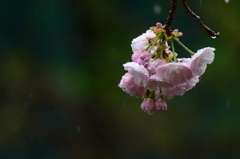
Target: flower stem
{"points": [[189, 51], [160, 47], [152, 94], [174, 54], [150, 47]]}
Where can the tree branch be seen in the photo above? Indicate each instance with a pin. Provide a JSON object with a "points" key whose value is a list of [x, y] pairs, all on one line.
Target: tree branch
{"points": [[171, 17], [202, 25]]}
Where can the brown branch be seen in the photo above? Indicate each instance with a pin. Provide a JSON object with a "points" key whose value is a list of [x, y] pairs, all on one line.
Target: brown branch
{"points": [[171, 17], [202, 25]]}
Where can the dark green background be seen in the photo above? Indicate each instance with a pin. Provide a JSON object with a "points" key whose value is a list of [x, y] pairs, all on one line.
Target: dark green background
{"points": [[61, 61]]}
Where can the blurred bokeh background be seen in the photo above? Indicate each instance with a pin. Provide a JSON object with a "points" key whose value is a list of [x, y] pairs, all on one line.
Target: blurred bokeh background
{"points": [[61, 62]]}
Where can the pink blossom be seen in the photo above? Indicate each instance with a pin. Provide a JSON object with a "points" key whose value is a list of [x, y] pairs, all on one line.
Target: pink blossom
{"points": [[180, 89], [170, 74], [142, 42], [156, 75], [128, 85], [139, 73], [148, 105], [177, 78], [200, 60]]}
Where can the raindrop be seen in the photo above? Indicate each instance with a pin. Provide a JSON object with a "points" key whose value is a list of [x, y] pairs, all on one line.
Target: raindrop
{"points": [[226, 1], [157, 9], [201, 2], [78, 129], [213, 37], [31, 138], [228, 104], [26, 105]]}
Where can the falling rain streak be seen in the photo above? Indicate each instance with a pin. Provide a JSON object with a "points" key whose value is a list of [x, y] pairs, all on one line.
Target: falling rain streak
{"points": [[157, 9]]}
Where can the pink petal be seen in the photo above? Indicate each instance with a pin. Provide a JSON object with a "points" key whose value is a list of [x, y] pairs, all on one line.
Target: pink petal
{"points": [[155, 81], [201, 59], [154, 64], [141, 42], [142, 58], [128, 85], [186, 61], [139, 73], [170, 92], [136, 55], [174, 73]]}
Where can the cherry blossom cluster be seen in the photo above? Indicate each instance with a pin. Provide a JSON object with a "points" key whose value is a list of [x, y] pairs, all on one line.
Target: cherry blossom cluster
{"points": [[156, 74]]}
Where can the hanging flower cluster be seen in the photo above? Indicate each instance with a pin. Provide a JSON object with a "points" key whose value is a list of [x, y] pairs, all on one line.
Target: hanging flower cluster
{"points": [[156, 74]]}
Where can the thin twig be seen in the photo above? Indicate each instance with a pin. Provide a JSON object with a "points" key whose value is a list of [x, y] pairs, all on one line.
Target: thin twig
{"points": [[202, 25], [171, 17]]}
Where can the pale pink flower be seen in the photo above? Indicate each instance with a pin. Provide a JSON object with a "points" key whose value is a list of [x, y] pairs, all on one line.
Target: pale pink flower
{"points": [[139, 73], [148, 105], [142, 42], [180, 89], [151, 77], [128, 85], [200, 60], [170, 74]]}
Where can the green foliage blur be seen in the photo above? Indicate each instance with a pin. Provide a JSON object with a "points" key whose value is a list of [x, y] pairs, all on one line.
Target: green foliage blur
{"points": [[61, 62]]}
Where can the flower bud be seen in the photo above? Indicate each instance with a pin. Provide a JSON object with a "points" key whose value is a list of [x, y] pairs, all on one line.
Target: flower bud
{"points": [[161, 105], [148, 105]]}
